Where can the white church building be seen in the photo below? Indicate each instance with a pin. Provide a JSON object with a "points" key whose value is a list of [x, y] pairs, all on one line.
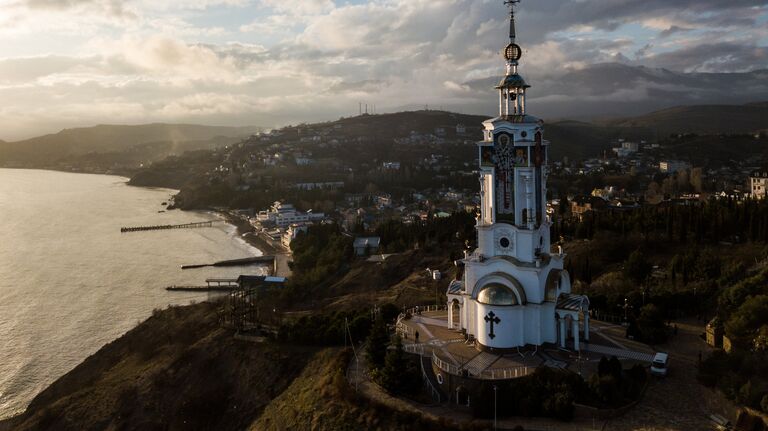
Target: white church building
{"points": [[514, 291]]}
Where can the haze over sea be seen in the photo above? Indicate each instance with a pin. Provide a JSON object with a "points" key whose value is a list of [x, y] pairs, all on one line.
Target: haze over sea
{"points": [[70, 282]]}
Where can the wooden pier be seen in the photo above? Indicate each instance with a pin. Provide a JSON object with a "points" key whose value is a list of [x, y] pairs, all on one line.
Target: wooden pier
{"points": [[212, 285], [256, 260], [166, 227]]}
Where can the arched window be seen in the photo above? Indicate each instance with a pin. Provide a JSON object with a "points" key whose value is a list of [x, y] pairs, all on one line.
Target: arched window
{"points": [[497, 294], [553, 285]]}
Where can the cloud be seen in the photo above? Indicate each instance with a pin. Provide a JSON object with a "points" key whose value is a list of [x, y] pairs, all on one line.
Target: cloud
{"points": [[233, 61], [113, 8], [299, 7]]}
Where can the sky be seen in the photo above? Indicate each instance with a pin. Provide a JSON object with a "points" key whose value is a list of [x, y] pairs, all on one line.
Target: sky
{"points": [[73, 63]]}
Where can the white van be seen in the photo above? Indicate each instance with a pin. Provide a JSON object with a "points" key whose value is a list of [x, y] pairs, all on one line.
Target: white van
{"points": [[660, 364]]}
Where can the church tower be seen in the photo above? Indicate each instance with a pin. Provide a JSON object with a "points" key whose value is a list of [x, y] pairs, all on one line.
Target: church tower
{"points": [[513, 286], [513, 158]]}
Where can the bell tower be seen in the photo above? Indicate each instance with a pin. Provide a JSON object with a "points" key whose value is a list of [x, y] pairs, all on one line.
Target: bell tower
{"points": [[513, 158], [514, 292]]}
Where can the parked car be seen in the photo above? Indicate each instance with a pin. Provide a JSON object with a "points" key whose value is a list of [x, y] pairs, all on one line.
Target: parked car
{"points": [[660, 364]]}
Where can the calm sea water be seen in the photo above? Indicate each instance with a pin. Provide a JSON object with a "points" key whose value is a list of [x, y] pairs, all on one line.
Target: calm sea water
{"points": [[70, 282]]}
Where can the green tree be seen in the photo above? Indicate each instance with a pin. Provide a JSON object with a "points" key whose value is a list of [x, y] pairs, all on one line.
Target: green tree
{"points": [[637, 267], [651, 325], [376, 350], [747, 320], [393, 376]]}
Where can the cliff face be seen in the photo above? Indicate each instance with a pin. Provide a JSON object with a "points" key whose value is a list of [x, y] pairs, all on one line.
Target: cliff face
{"points": [[180, 370], [177, 370]]}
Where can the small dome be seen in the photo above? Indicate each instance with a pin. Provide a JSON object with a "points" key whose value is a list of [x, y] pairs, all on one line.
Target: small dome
{"points": [[497, 294]]}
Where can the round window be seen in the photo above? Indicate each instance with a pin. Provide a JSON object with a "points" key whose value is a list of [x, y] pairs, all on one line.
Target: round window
{"points": [[524, 134], [504, 242]]}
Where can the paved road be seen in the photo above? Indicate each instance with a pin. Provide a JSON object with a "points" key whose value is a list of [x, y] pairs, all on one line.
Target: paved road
{"points": [[677, 402], [619, 353]]}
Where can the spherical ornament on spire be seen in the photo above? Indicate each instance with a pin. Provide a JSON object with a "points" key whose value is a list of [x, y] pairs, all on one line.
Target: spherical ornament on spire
{"points": [[513, 52]]}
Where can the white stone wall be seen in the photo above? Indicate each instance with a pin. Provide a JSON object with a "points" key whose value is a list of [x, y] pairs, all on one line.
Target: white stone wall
{"points": [[510, 330]]}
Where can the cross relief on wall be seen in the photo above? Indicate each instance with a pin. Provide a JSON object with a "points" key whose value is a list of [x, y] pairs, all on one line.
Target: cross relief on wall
{"points": [[492, 319]]}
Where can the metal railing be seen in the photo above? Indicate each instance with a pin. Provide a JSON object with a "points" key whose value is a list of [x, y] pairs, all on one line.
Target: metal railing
{"points": [[426, 308], [445, 366], [505, 373], [417, 349], [402, 329], [492, 374]]}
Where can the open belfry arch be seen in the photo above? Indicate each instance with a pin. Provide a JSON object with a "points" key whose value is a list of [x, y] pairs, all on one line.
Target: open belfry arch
{"points": [[514, 291]]}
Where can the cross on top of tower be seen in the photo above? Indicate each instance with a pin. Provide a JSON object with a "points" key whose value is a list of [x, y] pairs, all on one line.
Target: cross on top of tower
{"points": [[511, 4], [512, 52]]}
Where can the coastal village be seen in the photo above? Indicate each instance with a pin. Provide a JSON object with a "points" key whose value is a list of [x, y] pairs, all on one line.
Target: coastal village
{"points": [[670, 182], [435, 270], [510, 307]]}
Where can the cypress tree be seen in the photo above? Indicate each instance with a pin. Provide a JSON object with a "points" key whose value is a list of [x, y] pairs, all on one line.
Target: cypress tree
{"points": [[376, 350]]}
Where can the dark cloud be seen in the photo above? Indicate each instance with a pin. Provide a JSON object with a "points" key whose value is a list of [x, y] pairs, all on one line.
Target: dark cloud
{"points": [[712, 57], [612, 89]]}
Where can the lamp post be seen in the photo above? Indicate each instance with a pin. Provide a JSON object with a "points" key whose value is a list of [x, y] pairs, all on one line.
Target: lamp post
{"points": [[626, 305], [495, 425]]}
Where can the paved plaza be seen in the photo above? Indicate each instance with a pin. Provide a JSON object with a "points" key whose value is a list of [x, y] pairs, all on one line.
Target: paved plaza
{"points": [[427, 333]]}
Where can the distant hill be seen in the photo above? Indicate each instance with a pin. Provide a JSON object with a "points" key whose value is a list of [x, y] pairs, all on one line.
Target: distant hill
{"points": [[702, 119], [116, 139], [573, 139]]}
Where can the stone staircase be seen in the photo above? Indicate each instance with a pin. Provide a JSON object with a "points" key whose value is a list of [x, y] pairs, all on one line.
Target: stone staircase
{"points": [[480, 363]]}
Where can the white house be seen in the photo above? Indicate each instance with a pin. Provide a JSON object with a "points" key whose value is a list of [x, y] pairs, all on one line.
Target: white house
{"points": [[673, 166], [758, 184], [284, 215]]}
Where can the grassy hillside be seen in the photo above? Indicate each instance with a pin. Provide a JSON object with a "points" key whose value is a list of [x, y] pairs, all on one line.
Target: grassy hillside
{"points": [[177, 368], [320, 399], [571, 139], [702, 119], [578, 140]]}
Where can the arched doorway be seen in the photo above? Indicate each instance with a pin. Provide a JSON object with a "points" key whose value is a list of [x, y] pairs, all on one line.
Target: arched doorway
{"points": [[455, 311], [462, 396]]}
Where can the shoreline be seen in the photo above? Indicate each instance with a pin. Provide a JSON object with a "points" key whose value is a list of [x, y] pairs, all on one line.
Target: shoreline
{"points": [[122, 174], [239, 228], [248, 234]]}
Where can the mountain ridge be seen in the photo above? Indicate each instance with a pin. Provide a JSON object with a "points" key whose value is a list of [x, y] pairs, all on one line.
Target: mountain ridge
{"points": [[702, 119], [107, 138]]}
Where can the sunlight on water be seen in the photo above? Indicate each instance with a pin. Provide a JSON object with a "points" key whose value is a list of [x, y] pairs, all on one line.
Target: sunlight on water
{"points": [[70, 282]]}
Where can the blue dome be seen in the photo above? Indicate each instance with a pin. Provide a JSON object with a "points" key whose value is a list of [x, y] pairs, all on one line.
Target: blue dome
{"points": [[513, 81]]}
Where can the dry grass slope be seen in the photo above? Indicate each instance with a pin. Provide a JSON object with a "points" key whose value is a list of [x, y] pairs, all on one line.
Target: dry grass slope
{"points": [[177, 368]]}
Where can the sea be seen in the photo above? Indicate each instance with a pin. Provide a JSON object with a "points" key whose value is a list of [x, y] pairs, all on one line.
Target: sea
{"points": [[70, 282]]}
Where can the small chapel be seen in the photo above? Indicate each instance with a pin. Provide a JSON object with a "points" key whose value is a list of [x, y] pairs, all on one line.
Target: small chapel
{"points": [[514, 291]]}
